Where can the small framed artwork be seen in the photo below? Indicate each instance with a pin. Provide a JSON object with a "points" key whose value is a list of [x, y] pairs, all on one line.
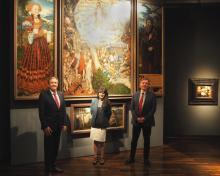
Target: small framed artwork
{"points": [[203, 91], [117, 119], [81, 117], [34, 46]]}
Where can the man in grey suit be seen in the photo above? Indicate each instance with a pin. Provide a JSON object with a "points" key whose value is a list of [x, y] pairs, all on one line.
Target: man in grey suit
{"points": [[143, 107], [53, 118]]}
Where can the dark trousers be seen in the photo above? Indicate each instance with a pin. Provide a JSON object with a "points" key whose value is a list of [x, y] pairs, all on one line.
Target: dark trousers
{"points": [[135, 135], [51, 145]]}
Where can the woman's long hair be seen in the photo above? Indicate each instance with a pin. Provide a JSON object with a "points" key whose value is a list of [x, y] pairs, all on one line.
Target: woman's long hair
{"points": [[106, 101]]}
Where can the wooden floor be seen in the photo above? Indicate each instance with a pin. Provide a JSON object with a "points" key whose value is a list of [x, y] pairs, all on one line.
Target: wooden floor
{"points": [[183, 157]]}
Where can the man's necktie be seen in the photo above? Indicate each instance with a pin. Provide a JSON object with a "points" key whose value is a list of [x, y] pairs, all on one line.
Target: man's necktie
{"points": [[141, 102], [56, 100]]}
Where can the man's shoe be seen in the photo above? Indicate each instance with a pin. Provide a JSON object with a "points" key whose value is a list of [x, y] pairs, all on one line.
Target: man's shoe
{"points": [[129, 161], [147, 163], [57, 170]]}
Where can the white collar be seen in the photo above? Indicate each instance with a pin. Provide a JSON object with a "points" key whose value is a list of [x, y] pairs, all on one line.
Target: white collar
{"points": [[53, 92], [142, 92]]}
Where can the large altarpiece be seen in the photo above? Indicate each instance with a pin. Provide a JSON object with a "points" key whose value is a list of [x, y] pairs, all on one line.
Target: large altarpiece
{"points": [[87, 44]]}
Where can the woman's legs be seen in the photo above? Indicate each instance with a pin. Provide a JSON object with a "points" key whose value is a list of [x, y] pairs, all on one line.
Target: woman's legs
{"points": [[96, 150], [99, 148], [102, 152]]}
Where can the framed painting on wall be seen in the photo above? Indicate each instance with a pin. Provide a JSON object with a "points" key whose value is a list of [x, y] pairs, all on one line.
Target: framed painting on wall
{"points": [[150, 43], [34, 46], [203, 91], [80, 117], [97, 48], [118, 117]]}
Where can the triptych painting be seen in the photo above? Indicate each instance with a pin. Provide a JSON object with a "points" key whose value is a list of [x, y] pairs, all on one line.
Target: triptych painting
{"points": [[110, 43]]}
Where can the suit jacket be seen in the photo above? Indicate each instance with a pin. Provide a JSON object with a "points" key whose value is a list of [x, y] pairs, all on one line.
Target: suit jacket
{"points": [[49, 114], [106, 113], [148, 110]]}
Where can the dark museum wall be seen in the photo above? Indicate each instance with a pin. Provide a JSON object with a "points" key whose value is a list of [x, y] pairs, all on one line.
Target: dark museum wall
{"points": [[4, 81], [191, 51]]}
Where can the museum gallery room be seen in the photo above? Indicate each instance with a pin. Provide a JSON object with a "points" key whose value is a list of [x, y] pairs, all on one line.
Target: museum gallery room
{"points": [[154, 64]]}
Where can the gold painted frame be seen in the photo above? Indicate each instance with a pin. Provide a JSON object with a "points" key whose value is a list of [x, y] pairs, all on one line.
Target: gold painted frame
{"points": [[203, 91]]}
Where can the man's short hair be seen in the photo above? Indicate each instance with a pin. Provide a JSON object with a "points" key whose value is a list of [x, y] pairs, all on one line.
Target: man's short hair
{"points": [[52, 77], [145, 79]]}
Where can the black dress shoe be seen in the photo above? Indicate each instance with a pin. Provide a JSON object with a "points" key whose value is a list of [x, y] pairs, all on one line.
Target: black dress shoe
{"points": [[57, 170], [129, 161]]}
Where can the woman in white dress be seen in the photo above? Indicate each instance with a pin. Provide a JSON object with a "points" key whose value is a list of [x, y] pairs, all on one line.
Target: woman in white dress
{"points": [[101, 112]]}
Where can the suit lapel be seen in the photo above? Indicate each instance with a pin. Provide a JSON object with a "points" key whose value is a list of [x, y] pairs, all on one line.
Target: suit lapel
{"points": [[146, 100], [138, 97], [60, 98], [51, 98]]}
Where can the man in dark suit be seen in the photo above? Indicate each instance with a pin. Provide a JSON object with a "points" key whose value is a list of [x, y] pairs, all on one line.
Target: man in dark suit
{"points": [[53, 118], [143, 107]]}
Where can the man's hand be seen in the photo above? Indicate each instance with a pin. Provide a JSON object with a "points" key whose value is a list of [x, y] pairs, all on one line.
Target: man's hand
{"points": [[48, 131], [140, 119]]}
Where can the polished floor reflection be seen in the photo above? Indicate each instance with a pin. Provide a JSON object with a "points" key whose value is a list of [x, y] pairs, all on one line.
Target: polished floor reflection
{"points": [[180, 157]]}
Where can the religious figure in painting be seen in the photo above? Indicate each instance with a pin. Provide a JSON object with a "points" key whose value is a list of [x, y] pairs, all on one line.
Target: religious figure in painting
{"points": [[95, 35]]}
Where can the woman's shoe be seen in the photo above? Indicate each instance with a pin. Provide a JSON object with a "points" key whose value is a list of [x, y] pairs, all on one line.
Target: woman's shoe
{"points": [[101, 161], [95, 161]]}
